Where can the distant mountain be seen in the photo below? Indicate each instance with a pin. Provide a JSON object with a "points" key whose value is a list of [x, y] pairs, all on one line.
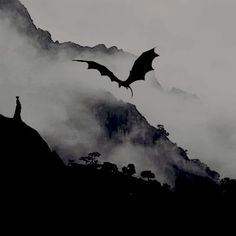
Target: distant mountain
{"points": [[21, 19], [122, 123]]}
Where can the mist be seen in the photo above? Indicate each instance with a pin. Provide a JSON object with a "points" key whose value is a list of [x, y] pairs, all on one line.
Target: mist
{"points": [[53, 92]]}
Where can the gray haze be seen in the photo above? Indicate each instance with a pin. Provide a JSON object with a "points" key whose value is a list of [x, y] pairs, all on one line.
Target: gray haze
{"points": [[196, 41]]}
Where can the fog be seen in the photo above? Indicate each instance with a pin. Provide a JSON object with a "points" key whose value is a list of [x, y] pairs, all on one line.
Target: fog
{"points": [[52, 92]]}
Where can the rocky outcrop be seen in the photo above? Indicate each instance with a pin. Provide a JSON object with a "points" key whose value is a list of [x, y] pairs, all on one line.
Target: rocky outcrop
{"points": [[24, 151]]}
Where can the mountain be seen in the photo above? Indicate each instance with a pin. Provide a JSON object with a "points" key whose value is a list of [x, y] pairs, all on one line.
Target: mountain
{"points": [[21, 19], [121, 124]]}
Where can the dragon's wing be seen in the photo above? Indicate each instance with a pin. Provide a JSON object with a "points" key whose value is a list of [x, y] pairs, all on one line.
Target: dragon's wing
{"points": [[102, 69], [141, 66]]}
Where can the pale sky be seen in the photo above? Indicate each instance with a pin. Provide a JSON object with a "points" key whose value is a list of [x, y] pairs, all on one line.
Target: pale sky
{"points": [[189, 34]]}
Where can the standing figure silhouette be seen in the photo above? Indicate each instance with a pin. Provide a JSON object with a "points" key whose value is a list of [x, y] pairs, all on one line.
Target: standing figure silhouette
{"points": [[17, 114]]}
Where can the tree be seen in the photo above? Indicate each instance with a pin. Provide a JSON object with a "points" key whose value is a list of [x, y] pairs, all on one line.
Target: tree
{"points": [[147, 174], [71, 162], [228, 187], [129, 170], [91, 159], [162, 130], [109, 168]]}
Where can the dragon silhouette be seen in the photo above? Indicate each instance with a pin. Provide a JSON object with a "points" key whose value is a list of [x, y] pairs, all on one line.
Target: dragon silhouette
{"points": [[142, 65]]}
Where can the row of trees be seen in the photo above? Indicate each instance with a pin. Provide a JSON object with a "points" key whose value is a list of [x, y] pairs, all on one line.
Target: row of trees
{"points": [[91, 160]]}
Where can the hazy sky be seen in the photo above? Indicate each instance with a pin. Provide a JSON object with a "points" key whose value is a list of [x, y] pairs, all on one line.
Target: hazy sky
{"points": [[196, 42], [191, 35]]}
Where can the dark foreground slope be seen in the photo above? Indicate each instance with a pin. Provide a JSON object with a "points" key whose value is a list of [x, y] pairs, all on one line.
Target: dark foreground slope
{"points": [[35, 178], [23, 148]]}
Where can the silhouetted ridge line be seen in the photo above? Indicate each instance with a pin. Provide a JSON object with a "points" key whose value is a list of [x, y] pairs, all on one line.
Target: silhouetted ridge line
{"points": [[21, 19]]}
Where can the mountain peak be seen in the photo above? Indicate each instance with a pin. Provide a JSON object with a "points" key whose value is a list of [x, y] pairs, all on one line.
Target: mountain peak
{"points": [[20, 18]]}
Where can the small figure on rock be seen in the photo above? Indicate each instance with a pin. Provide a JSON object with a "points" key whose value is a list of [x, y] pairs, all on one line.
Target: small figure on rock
{"points": [[17, 114]]}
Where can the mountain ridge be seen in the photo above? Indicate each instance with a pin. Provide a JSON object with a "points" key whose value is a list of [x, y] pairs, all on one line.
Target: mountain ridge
{"points": [[23, 22]]}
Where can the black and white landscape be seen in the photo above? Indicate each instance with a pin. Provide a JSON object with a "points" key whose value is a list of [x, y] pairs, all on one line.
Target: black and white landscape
{"points": [[91, 135]]}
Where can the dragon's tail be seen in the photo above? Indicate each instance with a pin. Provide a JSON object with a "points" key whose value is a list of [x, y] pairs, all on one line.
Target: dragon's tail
{"points": [[132, 94]]}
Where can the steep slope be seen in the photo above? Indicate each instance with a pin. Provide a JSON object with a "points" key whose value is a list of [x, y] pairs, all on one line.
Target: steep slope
{"points": [[24, 151], [21, 19]]}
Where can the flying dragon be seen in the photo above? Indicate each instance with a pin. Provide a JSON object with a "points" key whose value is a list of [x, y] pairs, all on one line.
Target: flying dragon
{"points": [[141, 66]]}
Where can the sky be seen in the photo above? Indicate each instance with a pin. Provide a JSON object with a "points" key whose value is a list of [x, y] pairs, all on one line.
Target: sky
{"points": [[194, 38], [196, 42]]}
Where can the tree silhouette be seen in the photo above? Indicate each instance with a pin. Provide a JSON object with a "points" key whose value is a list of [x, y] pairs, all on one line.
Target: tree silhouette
{"points": [[91, 159], [162, 130], [129, 170], [228, 187], [109, 168], [147, 174]]}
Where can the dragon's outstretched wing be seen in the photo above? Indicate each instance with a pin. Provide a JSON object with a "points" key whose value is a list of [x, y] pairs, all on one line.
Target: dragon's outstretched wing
{"points": [[141, 66], [102, 69]]}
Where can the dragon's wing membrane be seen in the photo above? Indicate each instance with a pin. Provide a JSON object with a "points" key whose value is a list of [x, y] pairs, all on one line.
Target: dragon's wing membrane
{"points": [[141, 66], [102, 69]]}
